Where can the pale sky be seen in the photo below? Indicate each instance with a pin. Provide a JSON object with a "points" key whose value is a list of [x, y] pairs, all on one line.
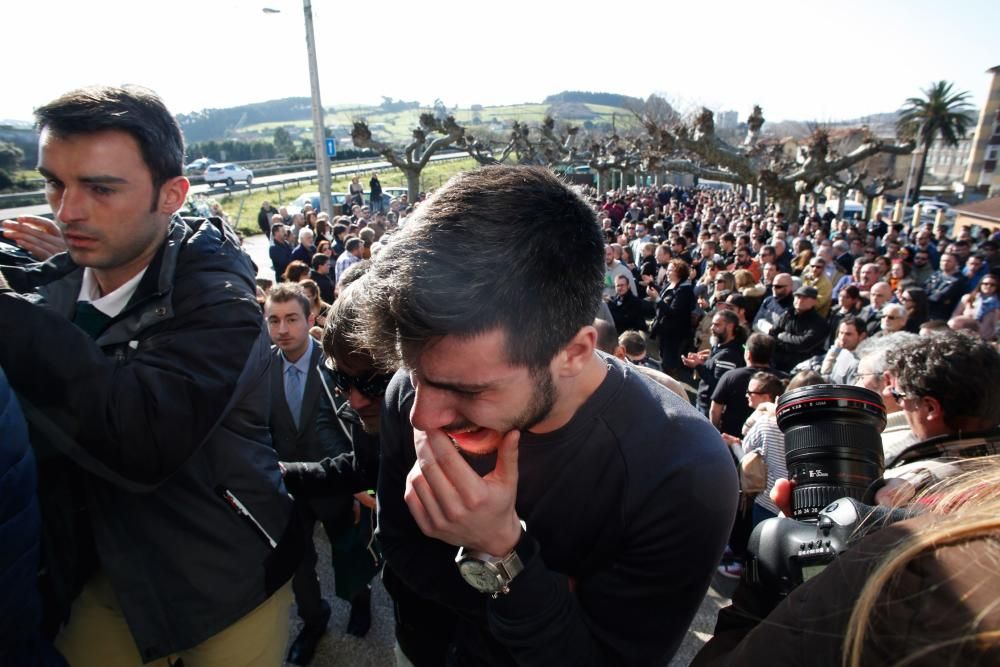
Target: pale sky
{"points": [[811, 61]]}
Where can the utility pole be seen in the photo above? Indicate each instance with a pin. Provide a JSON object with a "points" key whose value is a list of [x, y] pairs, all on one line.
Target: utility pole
{"points": [[319, 135]]}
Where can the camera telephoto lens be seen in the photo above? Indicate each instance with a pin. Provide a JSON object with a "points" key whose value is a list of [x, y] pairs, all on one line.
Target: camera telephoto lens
{"points": [[832, 444]]}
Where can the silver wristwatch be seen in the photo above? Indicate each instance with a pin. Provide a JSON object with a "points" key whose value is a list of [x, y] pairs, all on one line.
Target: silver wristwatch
{"points": [[487, 573]]}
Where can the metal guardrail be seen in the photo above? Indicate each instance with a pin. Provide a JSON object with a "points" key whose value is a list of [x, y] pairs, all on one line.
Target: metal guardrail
{"points": [[19, 199]]}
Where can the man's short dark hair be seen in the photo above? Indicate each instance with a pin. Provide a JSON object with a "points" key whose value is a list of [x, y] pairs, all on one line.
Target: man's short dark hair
{"points": [[851, 291], [761, 348], [730, 317], [285, 292], [771, 384], [857, 323], [958, 370], [353, 244], [502, 247], [319, 259], [132, 109], [633, 342], [607, 335]]}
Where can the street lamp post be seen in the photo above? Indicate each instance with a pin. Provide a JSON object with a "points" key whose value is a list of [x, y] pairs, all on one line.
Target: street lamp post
{"points": [[319, 136]]}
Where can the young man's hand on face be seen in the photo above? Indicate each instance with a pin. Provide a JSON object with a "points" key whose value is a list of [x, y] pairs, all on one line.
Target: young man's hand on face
{"points": [[452, 503]]}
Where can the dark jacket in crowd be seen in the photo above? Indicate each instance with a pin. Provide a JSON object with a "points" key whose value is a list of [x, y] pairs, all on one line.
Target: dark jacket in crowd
{"points": [[303, 253], [772, 309], [327, 291], [150, 424], [264, 219], [281, 257], [944, 293], [21, 640], [798, 337], [630, 312]]}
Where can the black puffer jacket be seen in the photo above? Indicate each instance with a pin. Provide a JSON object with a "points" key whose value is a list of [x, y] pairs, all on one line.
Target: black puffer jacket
{"points": [[153, 422]]}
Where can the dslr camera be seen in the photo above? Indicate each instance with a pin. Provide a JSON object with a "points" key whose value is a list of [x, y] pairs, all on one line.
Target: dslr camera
{"points": [[833, 450]]}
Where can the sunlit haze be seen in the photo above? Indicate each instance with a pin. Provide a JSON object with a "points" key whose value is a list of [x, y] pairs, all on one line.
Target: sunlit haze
{"points": [[817, 61]]}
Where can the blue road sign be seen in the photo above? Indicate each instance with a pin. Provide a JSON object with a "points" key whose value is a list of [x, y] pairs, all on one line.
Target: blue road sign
{"points": [[331, 147]]}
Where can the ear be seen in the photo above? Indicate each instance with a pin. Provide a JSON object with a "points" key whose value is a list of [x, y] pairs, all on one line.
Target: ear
{"points": [[934, 411], [620, 352], [172, 195], [573, 358]]}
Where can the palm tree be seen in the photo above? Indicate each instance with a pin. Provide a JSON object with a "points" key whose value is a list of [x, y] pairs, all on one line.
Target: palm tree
{"points": [[940, 113]]}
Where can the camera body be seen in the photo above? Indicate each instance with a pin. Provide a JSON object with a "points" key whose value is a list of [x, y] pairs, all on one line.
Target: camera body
{"points": [[783, 553]]}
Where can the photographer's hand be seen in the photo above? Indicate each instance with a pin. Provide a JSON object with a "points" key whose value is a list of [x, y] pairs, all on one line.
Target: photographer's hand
{"points": [[451, 502], [40, 237], [781, 495]]}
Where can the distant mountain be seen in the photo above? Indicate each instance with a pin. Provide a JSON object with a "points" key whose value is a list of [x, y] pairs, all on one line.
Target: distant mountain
{"points": [[217, 123], [586, 97]]}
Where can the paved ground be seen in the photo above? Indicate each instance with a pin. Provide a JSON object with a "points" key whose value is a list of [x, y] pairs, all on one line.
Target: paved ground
{"points": [[340, 649]]}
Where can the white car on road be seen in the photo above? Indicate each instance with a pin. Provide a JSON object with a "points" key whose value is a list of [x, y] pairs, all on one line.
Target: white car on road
{"points": [[228, 173]]}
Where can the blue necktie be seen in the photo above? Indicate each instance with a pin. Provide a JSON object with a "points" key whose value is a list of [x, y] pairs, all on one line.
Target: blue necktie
{"points": [[293, 392]]}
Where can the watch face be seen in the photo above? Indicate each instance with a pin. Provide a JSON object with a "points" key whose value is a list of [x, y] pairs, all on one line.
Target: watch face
{"points": [[479, 575]]}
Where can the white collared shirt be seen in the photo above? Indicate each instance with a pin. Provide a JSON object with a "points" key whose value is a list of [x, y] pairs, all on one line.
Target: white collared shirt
{"points": [[111, 303]]}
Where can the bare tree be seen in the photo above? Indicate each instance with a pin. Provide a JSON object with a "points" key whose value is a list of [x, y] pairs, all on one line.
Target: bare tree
{"points": [[695, 148], [414, 157]]}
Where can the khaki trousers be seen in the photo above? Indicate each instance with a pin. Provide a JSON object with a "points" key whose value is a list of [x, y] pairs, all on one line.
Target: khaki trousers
{"points": [[97, 635]]}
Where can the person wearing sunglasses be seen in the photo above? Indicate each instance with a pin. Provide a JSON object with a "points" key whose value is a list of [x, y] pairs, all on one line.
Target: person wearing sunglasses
{"points": [[304, 427], [983, 304]]}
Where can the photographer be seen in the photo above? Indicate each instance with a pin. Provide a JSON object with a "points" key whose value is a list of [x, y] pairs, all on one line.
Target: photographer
{"points": [[946, 387]]}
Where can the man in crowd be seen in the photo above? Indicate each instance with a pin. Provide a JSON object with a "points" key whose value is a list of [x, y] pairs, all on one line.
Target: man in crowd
{"points": [[841, 362], [354, 248], [945, 287], [872, 373], [320, 274], [800, 332], [879, 295], [305, 250], [775, 305], [169, 529], [893, 318], [612, 270], [628, 310], [502, 441], [725, 354], [729, 399], [304, 427], [815, 276], [264, 217], [280, 251]]}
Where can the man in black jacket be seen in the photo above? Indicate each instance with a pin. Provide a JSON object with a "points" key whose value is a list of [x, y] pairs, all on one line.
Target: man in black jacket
{"points": [[142, 358], [725, 355], [527, 482], [800, 332], [264, 217]]}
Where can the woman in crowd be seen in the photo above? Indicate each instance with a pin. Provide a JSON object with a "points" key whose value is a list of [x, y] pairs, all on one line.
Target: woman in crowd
{"points": [[317, 307], [983, 305], [672, 323], [296, 271], [749, 288], [914, 299], [898, 272], [804, 253]]}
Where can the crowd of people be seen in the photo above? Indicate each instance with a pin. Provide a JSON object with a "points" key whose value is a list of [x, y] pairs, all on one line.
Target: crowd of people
{"points": [[523, 405]]}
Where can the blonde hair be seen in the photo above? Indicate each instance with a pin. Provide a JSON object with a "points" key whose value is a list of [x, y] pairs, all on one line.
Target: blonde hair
{"points": [[969, 508]]}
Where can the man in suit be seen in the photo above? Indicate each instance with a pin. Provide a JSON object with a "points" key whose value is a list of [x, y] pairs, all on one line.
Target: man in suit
{"points": [[305, 427]]}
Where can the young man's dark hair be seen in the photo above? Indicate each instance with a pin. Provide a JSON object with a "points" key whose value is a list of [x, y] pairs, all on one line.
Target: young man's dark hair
{"points": [[285, 292], [957, 370], [633, 342], [857, 323], [481, 225], [761, 348], [318, 260], [771, 384], [131, 109]]}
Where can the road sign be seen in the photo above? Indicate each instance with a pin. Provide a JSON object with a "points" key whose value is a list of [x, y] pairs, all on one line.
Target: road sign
{"points": [[331, 147]]}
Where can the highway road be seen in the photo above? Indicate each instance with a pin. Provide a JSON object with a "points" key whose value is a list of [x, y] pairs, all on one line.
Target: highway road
{"points": [[202, 188]]}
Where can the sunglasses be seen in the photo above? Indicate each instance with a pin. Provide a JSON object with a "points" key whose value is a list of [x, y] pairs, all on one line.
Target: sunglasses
{"points": [[372, 385], [756, 393], [896, 394]]}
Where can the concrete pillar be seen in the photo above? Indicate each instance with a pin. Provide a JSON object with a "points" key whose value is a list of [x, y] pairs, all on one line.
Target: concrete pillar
{"points": [[897, 212]]}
